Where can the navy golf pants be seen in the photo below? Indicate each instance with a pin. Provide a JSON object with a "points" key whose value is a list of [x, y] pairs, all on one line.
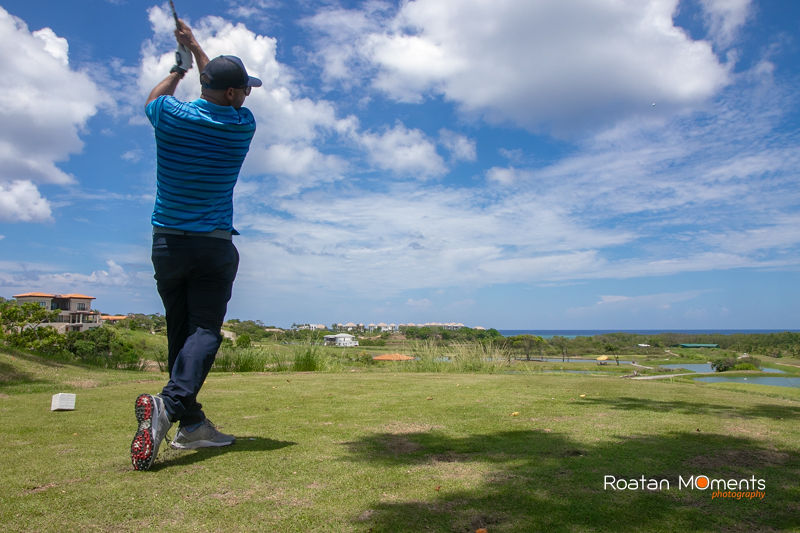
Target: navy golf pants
{"points": [[194, 276]]}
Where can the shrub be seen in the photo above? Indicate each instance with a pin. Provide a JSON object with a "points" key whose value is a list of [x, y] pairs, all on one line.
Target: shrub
{"points": [[243, 341], [723, 364], [732, 363], [102, 347], [372, 342]]}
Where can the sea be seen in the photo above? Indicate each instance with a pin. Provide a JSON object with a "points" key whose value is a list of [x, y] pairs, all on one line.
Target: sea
{"points": [[572, 333]]}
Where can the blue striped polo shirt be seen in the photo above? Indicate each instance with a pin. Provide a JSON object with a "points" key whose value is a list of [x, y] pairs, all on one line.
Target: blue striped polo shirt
{"points": [[200, 149]]}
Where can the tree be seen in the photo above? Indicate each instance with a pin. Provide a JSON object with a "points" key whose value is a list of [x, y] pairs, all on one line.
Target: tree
{"points": [[561, 343], [20, 322], [527, 343], [612, 349]]}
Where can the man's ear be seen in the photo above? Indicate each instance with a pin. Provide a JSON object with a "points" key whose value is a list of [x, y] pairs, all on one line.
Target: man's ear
{"points": [[230, 95]]}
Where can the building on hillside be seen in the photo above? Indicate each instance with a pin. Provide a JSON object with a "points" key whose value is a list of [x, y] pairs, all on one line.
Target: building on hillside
{"points": [[350, 326], [75, 310], [312, 327], [340, 339], [113, 318]]}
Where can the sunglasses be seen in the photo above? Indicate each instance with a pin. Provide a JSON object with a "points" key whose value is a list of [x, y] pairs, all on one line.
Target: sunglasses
{"points": [[246, 90]]}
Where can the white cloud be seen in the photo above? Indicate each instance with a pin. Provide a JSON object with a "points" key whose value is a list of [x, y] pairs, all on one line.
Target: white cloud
{"points": [[132, 156], [782, 234], [724, 18], [403, 151], [507, 175], [643, 303], [460, 147], [44, 108], [541, 65], [54, 45], [341, 35], [691, 194], [114, 276], [21, 201], [295, 167], [420, 238], [25, 276]]}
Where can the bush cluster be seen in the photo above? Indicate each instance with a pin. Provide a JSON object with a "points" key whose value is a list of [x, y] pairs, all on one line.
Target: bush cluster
{"points": [[22, 329], [732, 363]]}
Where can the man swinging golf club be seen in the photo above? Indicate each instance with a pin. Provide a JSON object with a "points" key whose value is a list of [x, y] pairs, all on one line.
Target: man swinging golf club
{"points": [[201, 146]]}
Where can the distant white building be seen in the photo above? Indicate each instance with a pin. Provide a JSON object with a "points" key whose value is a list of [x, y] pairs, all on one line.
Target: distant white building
{"points": [[75, 310], [340, 339], [312, 327]]}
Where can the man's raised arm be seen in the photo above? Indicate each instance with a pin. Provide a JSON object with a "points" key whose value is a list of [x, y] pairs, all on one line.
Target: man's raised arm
{"points": [[185, 37]]}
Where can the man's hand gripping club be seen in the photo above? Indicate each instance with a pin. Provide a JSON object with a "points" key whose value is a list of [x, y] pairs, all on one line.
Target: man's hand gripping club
{"points": [[183, 57]]}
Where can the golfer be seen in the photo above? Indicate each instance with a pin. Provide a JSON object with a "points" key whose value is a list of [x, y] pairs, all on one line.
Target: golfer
{"points": [[201, 146]]}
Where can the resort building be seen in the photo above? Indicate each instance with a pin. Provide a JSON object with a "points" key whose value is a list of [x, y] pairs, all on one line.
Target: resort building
{"points": [[75, 310], [341, 339], [312, 327]]}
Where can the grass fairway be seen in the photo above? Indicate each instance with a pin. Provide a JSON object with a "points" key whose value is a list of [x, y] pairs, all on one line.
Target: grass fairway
{"points": [[392, 451]]}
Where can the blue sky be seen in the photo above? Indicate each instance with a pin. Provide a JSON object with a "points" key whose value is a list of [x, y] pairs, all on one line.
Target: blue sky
{"points": [[587, 164]]}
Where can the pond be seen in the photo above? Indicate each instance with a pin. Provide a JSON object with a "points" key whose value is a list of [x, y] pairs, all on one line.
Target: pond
{"points": [[706, 367], [776, 381], [610, 360]]}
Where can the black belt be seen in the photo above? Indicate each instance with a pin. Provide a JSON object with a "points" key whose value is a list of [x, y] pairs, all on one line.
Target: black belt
{"points": [[217, 233]]}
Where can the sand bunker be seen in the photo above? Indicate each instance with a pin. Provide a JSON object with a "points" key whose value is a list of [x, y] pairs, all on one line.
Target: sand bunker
{"points": [[392, 357]]}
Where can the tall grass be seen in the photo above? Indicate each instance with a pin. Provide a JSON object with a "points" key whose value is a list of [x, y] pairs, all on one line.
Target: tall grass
{"points": [[251, 359], [429, 357], [307, 359], [459, 357], [239, 360], [263, 359]]}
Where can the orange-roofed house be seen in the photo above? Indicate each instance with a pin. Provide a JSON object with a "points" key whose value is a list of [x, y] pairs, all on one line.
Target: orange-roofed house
{"points": [[75, 309], [113, 318]]}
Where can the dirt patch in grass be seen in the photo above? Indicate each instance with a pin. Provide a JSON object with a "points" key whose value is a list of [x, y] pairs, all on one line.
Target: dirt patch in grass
{"points": [[232, 497], [743, 430], [480, 521], [400, 445], [83, 383], [48, 486], [40, 488], [739, 458], [366, 515], [450, 457], [406, 428]]}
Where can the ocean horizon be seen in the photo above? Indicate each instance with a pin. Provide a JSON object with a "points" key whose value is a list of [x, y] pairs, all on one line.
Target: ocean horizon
{"points": [[572, 333]]}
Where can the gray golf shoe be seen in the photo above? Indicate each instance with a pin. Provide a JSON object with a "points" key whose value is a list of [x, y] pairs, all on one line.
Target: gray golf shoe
{"points": [[205, 436]]}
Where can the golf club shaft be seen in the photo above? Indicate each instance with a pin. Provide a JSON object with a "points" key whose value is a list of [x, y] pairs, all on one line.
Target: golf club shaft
{"points": [[174, 13]]}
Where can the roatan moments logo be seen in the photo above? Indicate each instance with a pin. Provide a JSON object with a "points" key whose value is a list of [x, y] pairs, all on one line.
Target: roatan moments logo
{"points": [[736, 489]]}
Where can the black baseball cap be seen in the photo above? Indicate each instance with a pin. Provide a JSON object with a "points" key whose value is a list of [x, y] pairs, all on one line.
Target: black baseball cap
{"points": [[227, 71]]}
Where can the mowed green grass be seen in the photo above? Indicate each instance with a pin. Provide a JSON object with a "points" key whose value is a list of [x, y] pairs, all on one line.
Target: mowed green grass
{"points": [[393, 451]]}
